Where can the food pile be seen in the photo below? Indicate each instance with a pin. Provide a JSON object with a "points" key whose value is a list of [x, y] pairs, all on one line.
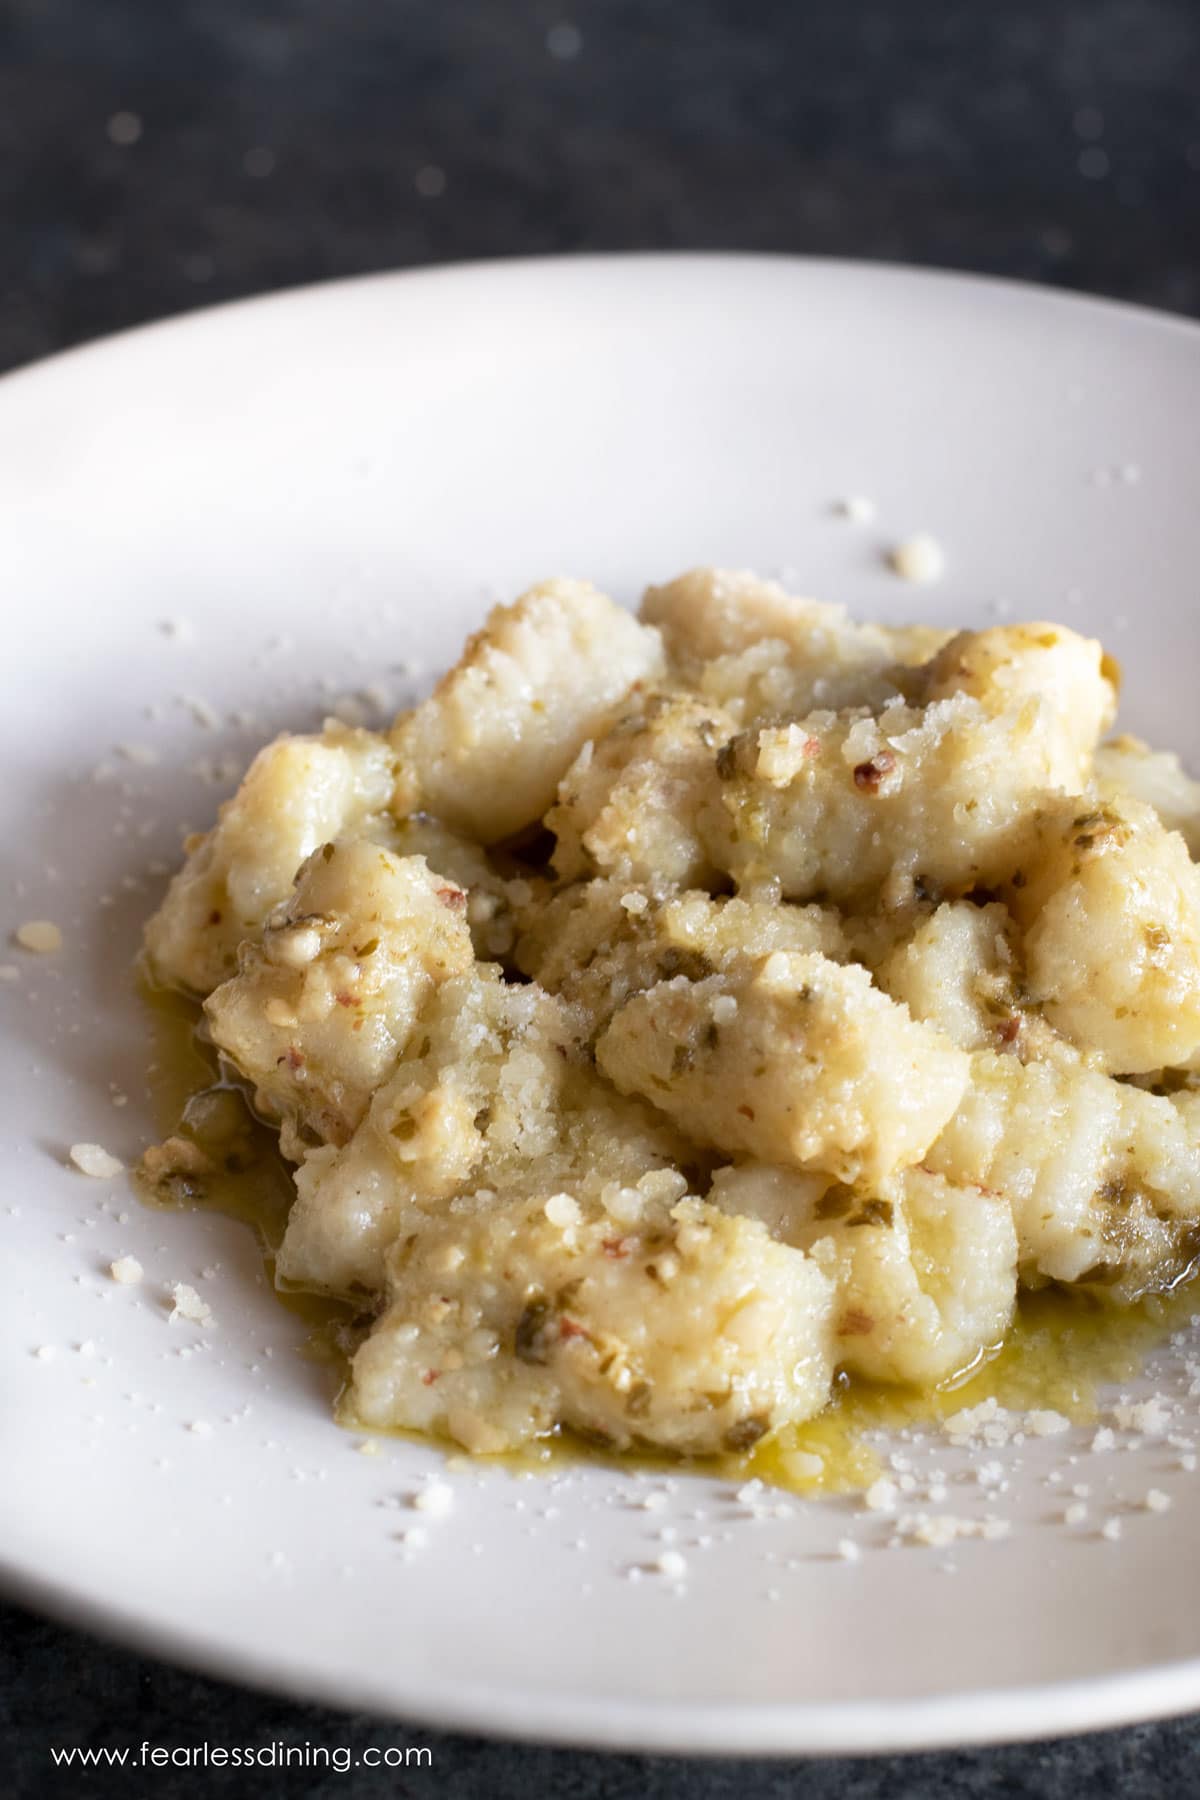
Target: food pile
{"points": [[671, 1013]]}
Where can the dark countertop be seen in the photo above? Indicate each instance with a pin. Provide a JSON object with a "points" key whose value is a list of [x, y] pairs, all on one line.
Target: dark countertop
{"points": [[164, 154]]}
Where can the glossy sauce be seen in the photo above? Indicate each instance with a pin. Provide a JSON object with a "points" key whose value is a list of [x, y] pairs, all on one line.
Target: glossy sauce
{"points": [[253, 1183], [1063, 1346]]}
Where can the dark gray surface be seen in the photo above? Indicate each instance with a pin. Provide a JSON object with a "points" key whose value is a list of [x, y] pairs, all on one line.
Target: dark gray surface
{"points": [[70, 1689], [289, 140], [1050, 139]]}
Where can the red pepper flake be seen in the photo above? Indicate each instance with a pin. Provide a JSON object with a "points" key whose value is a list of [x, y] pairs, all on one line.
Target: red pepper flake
{"points": [[1008, 1032], [346, 1000], [295, 1058], [868, 776], [812, 746], [747, 1112], [453, 897], [430, 1376], [570, 1328], [855, 1323], [616, 1247], [215, 916]]}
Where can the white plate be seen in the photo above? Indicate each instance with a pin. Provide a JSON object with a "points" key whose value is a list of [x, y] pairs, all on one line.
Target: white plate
{"points": [[331, 483]]}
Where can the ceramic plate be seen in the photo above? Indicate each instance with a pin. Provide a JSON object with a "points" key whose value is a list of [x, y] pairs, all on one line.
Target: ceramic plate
{"points": [[216, 528]]}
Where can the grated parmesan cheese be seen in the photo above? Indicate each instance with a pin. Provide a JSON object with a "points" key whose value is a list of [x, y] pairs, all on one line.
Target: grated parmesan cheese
{"points": [[919, 558], [437, 1499], [856, 508], [188, 1305], [672, 1564], [95, 1160], [41, 936]]}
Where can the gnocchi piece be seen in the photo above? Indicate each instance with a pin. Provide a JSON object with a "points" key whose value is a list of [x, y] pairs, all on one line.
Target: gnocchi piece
{"points": [[493, 1091], [319, 1011], [595, 943], [925, 1273], [958, 972], [599, 942], [487, 750], [795, 1060], [1103, 1178], [853, 807], [628, 805], [492, 898], [762, 653], [722, 934], [1068, 676], [1127, 767], [298, 793], [1112, 940], [707, 613], [653, 1319]]}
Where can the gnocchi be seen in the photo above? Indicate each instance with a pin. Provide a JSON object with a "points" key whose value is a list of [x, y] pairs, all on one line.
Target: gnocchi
{"points": [[672, 1015]]}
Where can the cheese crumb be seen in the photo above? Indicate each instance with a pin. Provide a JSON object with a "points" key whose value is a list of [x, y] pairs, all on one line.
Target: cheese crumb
{"points": [[296, 947], [200, 1428], [724, 1009], [1156, 1501], [880, 1496], [919, 558], [127, 1270], [562, 1210], [803, 1465], [1104, 1439], [1046, 1424], [1152, 1417], [1075, 1514], [939, 1531], [848, 1550], [437, 1499], [989, 1423], [672, 1564], [95, 1160], [634, 903], [187, 1304], [856, 508], [1111, 1530], [41, 936]]}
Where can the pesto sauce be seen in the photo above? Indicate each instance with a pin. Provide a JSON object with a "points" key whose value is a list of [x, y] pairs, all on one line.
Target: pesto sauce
{"points": [[1063, 1346]]}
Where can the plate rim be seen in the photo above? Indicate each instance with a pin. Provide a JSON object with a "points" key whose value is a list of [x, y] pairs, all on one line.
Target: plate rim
{"points": [[987, 1716], [203, 318], [983, 1716]]}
